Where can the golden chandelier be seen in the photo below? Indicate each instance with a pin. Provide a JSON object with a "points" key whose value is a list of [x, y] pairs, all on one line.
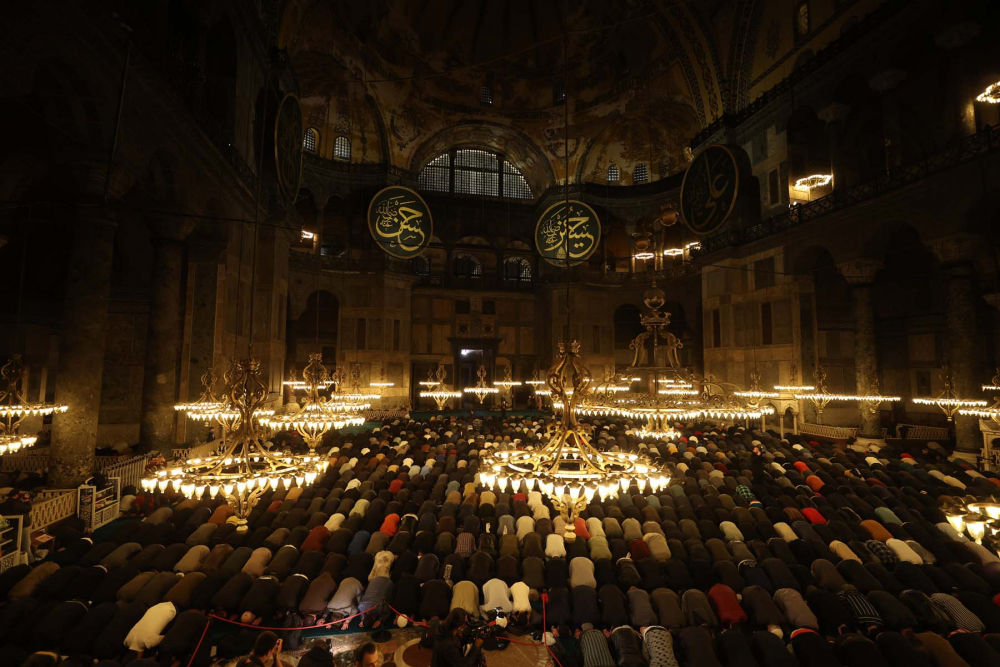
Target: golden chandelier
{"points": [[318, 414], [568, 468], [244, 468], [14, 407]]}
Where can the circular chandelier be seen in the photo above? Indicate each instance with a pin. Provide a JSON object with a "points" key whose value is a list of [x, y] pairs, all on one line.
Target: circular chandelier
{"points": [[207, 402], [948, 401], [244, 468], [436, 388], [318, 414], [481, 390], [568, 468], [507, 384], [14, 408], [993, 411]]}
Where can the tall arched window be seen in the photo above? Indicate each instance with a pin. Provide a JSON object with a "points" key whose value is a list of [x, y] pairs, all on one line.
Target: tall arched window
{"points": [[517, 268], [342, 148], [310, 140], [613, 174], [641, 173], [477, 173], [801, 20], [467, 266], [473, 171]]}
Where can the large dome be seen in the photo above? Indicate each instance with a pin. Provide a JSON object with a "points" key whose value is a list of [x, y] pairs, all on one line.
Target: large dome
{"points": [[634, 95]]}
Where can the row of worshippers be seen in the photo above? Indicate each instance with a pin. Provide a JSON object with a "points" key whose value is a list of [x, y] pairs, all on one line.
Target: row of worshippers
{"points": [[296, 561]]}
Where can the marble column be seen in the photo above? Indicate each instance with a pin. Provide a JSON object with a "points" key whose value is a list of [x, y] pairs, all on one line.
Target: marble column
{"points": [[163, 337], [860, 275], [956, 254], [81, 348]]}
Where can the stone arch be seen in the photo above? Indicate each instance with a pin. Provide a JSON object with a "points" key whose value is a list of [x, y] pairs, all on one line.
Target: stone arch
{"points": [[516, 147], [623, 142], [68, 106], [162, 184], [627, 323]]}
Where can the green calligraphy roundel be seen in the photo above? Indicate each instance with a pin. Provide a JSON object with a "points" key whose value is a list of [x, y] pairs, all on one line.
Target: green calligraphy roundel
{"points": [[567, 226], [288, 146], [400, 221], [711, 185]]}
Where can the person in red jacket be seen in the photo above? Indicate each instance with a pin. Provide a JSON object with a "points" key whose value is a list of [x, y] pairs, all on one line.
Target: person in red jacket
{"points": [[727, 606]]}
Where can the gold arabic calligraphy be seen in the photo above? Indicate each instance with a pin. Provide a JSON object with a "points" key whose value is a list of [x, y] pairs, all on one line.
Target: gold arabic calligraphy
{"points": [[568, 222], [710, 196], [400, 224]]}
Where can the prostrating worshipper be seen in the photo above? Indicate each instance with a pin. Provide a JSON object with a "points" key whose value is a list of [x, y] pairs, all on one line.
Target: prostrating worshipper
{"points": [[374, 603]]}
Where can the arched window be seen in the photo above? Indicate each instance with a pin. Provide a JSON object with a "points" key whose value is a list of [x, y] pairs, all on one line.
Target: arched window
{"points": [[613, 174], [801, 20], [477, 173], [342, 148], [517, 268], [641, 173], [473, 171], [422, 266], [514, 184], [310, 140], [467, 266], [559, 92]]}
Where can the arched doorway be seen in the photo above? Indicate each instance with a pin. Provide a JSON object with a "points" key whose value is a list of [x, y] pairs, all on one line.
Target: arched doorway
{"points": [[315, 330]]}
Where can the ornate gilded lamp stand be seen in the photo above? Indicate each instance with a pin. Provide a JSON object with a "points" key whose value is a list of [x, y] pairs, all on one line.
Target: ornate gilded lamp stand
{"points": [[14, 407], [437, 390], [948, 401], [481, 390], [568, 468], [818, 396]]}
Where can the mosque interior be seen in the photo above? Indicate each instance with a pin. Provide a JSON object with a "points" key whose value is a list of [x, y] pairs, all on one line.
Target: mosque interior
{"points": [[640, 332]]}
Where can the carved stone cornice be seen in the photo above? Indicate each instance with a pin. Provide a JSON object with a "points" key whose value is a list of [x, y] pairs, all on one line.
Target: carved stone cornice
{"points": [[886, 80], [833, 112], [957, 249], [860, 272]]}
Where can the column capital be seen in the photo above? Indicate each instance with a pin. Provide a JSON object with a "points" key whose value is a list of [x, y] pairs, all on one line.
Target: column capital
{"points": [[956, 249], [957, 35], [886, 80], [169, 226], [834, 111], [860, 272]]}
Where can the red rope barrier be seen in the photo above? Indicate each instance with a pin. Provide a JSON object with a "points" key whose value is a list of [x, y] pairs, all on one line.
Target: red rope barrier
{"points": [[200, 640], [304, 627]]}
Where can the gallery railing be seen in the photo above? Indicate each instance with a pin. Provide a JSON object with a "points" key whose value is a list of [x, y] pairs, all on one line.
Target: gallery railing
{"points": [[969, 148]]}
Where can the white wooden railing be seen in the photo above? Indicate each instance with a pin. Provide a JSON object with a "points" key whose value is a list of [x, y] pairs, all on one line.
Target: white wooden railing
{"points": [[11, 549], [30, 460], [52, 506], [129, 470], [824, 431], [920, 432], [832, 432], [383, 415]]}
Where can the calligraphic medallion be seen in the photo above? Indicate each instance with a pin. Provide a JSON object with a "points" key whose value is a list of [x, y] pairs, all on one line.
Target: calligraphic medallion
{"points": [[400, 221], [568, 226], [288, 146], [709, 190]]}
